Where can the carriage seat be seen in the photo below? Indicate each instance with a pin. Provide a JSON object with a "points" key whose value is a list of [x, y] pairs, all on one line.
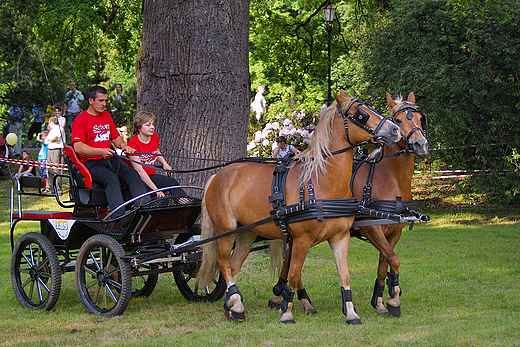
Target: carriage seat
{"points": [[83, 189]]}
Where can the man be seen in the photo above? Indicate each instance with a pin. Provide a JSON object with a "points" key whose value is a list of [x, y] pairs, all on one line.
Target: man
{"points": [[17, 123], [92, 131], [119, 105], [36, 125], [259, 105], [72, 103], [54, 142]]}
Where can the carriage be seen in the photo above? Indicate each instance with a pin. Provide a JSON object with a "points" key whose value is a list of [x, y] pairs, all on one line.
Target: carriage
{"points": [[116, 259], [113, 259]]}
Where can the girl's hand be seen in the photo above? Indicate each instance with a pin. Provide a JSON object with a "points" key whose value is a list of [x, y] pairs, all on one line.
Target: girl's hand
{"points": [[160, 194], [167, 166]]}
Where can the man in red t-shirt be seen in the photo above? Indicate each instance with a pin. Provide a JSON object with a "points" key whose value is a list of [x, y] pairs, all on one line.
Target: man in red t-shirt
{"points": [[92, 132]]}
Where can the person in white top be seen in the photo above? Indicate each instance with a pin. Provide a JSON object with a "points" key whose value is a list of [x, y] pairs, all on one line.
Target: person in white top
{"points": [[72, 107], [283, 150], [54, 144], [259, 105]]}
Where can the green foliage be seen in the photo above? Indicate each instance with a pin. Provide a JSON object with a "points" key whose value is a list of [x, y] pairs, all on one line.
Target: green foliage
{"points": [[464, 70]]}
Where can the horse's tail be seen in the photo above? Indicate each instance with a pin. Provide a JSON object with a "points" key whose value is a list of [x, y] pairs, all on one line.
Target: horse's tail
{"points": [[208, 267], [276, 255]]}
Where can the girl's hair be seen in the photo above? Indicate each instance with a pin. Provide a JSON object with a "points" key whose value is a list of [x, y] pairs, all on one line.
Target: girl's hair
{"points": [[53, 120], [141, 118], [281, 139], [28, 153]]}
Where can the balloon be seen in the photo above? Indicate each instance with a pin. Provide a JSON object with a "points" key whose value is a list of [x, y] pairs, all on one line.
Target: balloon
{"points": [[11, 139]]}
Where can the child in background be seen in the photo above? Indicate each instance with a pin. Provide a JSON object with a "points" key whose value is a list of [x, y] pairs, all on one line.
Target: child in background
{"points": [[54, 152], [147, 141], [26, 169], [42, 158]]}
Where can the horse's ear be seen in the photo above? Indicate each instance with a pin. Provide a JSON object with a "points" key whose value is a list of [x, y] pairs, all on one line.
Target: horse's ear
{"points": [[411, 97], [342, 98], [390, 101], [338, 97]]}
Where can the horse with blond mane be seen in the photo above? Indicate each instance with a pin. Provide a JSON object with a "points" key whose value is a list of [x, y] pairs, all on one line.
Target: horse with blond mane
{"points": [[387, 187], [315, 204]]}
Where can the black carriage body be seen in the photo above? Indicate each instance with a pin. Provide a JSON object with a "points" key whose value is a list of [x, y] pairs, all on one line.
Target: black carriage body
{"points": [[84, 240]]}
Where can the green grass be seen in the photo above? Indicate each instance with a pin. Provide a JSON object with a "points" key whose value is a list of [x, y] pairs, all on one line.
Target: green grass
{"points": [[459, 273]]}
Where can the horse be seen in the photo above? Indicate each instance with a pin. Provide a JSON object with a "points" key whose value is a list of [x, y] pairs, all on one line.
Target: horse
{"points": [[240, 195], [391, 178]]}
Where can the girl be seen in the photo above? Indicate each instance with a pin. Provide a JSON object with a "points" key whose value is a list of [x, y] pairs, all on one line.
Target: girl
{"points": [[147, 141], [42, 158], [283, 150], [26, 169]]}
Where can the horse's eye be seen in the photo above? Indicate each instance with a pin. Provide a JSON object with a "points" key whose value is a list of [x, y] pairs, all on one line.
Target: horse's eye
{"points": [[398, 121]]}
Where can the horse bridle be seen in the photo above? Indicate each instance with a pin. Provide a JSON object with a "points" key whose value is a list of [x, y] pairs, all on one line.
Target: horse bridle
{"points": [[408, 108], [360, 118]]}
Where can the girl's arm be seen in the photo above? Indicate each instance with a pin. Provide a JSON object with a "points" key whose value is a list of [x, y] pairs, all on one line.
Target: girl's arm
{"points": [[295, 150], [144, 176], [28, 170], [276, 151], [161, 160]]}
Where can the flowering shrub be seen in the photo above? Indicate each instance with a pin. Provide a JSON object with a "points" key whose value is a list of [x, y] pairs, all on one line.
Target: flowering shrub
{"points": [[297, 129]]}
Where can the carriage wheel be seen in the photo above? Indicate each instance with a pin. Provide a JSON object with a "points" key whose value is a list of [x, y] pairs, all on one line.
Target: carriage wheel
{"points": [[103, 277], [35, 272], [185, 279], [143, 285]]}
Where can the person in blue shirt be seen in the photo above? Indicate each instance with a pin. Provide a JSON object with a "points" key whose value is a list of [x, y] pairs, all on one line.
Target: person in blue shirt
{"points": [[36, 125]]}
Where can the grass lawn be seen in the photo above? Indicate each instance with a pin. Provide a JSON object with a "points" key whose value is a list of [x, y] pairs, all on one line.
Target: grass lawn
{"points": [[459, 273]]}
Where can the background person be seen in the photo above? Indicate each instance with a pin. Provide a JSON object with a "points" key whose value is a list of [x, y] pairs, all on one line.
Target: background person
{"points": [[26, 169], [259, 105], [42, 158], [36, 125], [92, 131], [54, 144], [147, 141], [72, 106], [16, 125], [283, 150]]}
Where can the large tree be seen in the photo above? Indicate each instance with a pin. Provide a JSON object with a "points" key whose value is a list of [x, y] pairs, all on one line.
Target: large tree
{"points": [[192, 71]]}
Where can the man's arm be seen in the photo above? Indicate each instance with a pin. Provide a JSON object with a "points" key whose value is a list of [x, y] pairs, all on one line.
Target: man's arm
{"points": [[120, 143], [86, 150]]}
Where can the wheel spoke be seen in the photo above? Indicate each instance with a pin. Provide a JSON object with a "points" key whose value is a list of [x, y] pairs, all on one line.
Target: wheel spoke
{"points": [[27, 260], [109, 261], [115, 284], [94, 261], [40, 282], [107, 288]]}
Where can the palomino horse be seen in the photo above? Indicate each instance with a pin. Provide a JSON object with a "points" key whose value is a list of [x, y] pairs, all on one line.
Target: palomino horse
{"points": [[392, 178], [239, 195]]}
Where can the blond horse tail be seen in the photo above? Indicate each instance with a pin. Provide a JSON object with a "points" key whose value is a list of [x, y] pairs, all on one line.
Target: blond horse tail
{"points": [[208, 267], [276, 255]]}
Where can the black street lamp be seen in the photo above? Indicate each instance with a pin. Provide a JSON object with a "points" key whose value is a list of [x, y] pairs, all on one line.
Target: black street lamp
{"points": [[328, 14]]}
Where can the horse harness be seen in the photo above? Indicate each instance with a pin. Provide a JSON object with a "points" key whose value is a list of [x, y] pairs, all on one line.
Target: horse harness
{"points": [[312, 208]]}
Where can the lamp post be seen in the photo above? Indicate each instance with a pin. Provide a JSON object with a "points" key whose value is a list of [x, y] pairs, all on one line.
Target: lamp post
{"points": [[328, 14]]}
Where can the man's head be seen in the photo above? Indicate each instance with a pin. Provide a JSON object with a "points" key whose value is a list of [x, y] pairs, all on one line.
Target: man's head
{"points": [[73, 85], [97, 99], [261, 89]]}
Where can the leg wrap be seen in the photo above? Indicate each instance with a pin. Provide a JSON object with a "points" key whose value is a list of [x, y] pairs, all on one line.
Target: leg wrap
{"points": [[278, 288], [378, 293], [231, 291], [302, 294], [346, 296], [393, 281], [287, 297]]}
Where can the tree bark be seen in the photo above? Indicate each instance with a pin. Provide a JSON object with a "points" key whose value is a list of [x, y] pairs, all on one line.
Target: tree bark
{"points": [[193, 74]]}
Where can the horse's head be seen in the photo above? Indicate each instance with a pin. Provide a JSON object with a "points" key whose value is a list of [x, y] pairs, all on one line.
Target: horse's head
{"points": [[370, 125], [412, 123]]}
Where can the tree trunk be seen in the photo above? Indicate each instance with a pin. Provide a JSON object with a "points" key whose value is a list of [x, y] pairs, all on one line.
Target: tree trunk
{"points": [[193, 73]]}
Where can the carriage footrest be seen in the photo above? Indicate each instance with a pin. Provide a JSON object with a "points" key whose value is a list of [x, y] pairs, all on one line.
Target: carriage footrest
{"points": [[44, 215]]}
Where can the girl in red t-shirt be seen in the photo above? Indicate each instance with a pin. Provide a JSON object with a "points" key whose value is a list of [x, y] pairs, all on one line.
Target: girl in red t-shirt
{"points": [[147, 141]]}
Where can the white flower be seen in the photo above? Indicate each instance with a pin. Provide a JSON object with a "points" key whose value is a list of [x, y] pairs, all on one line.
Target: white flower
{"points": [[287, 122], [251, 145], [265, 143], [276, 125], [258, 136]]}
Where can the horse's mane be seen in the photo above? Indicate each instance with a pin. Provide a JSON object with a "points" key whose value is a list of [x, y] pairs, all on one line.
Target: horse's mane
{"points": [[313, 158]]}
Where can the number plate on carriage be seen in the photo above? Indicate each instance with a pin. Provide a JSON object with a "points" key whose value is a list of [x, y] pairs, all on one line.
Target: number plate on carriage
{"points": [[62, 227]]}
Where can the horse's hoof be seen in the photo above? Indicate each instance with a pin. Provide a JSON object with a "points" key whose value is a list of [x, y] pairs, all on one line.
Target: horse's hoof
{"points": [[288, 322], [235, 316], [382, 311], [311, 311], [355, 321], [273, 303], [394, 311]]}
